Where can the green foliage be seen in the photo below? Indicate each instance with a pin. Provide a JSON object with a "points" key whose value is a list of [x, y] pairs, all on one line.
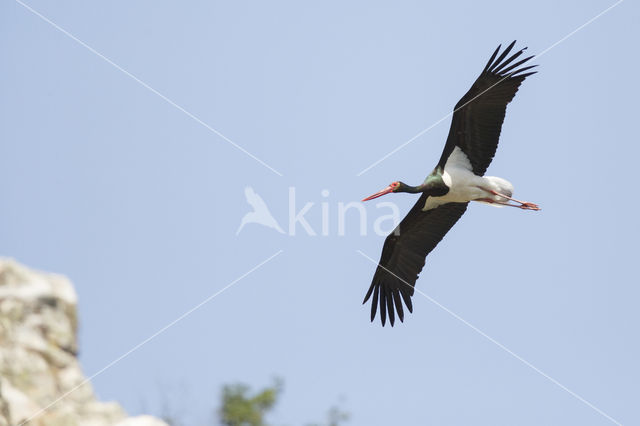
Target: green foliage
{"points": [[238, 408], [336, 416]]}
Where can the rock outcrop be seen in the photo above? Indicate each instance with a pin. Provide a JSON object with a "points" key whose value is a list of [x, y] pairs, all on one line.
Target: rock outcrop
{"points": [[41, 382]]}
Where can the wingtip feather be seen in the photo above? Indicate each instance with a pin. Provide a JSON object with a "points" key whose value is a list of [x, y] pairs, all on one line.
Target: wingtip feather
{"points": [[407, 301], [374, 302], [528, 74], [518, 71], [383, 308], [390, 311], [398, 303], [502, 56], [368, 295], [486, 67], [517, 64]]}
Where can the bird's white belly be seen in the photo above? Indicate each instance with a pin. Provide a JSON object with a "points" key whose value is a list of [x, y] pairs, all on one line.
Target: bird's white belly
{"points": [[463, 186]]}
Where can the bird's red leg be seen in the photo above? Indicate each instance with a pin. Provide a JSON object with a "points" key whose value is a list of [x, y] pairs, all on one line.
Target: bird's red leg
{"points": [[523, 204], [502, 203], [526, 206]]}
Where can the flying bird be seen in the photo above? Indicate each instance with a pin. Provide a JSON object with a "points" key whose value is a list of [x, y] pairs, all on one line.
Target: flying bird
{"points": [[457, 179]]}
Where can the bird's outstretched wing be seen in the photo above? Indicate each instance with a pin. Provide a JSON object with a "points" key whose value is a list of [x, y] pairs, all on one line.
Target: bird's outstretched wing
{"points": [[403, 256], [478, 116]]}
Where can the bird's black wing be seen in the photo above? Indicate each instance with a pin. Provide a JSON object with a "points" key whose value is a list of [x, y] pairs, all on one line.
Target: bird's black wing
{"points": [[478, 116], [403, 256]]}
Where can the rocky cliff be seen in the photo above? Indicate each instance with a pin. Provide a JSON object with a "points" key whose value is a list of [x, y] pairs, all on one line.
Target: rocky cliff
{"points": [[38, 363]]}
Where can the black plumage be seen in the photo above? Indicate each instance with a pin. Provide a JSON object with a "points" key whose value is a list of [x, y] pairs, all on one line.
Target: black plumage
{"points": [[478, 116], [475, 129]]}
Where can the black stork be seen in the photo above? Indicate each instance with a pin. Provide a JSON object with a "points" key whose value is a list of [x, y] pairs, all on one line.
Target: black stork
{"points": [[457, 179]]}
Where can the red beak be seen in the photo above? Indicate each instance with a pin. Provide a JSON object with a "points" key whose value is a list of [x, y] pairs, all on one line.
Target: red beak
{"points": [[387, 190]]}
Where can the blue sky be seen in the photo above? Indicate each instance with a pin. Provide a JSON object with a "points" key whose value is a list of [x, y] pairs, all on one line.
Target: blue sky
{"points": [[106, 182]]}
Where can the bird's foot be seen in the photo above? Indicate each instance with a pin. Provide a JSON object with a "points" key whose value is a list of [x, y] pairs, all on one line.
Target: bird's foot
{"points": [[525, 205]]}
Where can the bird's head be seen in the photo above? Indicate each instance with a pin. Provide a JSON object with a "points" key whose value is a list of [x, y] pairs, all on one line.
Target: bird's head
{"points": [[396, 186]]}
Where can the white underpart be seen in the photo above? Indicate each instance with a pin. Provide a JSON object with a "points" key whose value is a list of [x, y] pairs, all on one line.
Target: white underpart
{"points": [[465, 186]]}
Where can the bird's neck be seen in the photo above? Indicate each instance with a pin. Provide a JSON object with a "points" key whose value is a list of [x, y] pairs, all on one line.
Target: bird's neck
{"points": [[410, 189], [434, 184]]}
